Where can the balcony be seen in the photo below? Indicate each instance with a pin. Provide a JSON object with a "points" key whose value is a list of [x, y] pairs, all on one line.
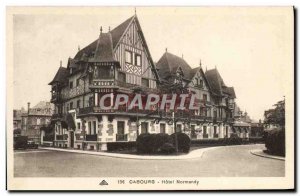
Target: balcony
{"points": [[120, 110], [91, 137], [121, 137]]}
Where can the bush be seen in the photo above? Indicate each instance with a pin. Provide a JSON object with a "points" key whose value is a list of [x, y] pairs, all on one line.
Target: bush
{"points": [[167, 148], [159, 140], [255, 140], [144, 143], [275, 142], [234, 139], [160, 143], [117, 146], [184, 142]]}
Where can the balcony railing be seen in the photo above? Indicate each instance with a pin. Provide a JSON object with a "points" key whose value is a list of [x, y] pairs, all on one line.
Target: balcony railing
{"points": [[91, 137], [121, 137]]}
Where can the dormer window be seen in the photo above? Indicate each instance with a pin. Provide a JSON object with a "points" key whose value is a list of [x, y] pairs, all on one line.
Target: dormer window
{"points": [[128, 57]]}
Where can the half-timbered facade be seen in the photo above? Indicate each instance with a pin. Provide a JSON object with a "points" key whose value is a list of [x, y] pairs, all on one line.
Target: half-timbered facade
{"points": [[119, 62]]}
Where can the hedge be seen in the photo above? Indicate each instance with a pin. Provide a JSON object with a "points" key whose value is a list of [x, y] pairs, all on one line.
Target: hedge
{"points": [[275, 142], [233, 140], [117, 146], [162, 143]]}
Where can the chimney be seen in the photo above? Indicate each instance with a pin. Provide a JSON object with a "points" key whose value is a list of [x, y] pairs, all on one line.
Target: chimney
{"points": [[28, 107]]}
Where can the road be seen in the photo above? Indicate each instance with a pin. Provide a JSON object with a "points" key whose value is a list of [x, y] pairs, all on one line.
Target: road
{"points": [[224, 161]]}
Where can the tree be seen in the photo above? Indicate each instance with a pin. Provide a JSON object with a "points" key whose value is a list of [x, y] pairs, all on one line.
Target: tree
{"points": [[276, 116]]}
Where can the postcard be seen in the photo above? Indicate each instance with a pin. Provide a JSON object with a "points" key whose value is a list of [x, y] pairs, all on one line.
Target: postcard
{"points": [[150, 98]]}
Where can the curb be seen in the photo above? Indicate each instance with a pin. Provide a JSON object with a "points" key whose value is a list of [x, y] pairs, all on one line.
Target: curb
{"points": [[260, 153], [192, 155]]}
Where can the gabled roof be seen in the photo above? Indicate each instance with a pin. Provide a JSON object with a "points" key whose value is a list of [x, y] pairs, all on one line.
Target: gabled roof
{"points": [[230, 91], [88, 50], [215, 81], [104, 49], [60, 76], [217, 84], [116, 35], [193, 72], [117, 32], [169, 63]]}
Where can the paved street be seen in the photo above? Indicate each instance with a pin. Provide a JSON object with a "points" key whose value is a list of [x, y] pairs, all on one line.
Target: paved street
{"points": [[225, 161]]}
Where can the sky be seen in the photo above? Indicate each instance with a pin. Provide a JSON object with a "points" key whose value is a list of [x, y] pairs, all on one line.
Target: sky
{"points": [[249, 47]]}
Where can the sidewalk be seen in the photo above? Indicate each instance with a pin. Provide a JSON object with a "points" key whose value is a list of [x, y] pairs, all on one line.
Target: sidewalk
{"points": [[192, 155], [259, 152]]}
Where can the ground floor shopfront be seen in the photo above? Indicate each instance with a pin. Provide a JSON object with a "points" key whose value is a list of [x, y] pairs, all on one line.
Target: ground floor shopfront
{"points": [[93, 132]]}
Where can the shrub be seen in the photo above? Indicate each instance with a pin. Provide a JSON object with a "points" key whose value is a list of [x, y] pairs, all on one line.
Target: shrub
{"points": [[144, 143], [183, 140], [117, 146], [159, 140], [255, 140], [154, 143], [275, 142], [234, 139], [167, 148]]}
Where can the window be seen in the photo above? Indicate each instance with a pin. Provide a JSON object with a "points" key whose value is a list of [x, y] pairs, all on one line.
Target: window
{"points": [[201, 83], [178, 128], [78, 125], [91, 101], [145, 82], [121, 127], [162, 128], [128, 57], [138, 60], [89, 127], [122, 77], [102, 72], [77, 82], [205, 97], [204, 130], [78, 103], [94, 127], [71, 85], [144, 127], [71, 105]]}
